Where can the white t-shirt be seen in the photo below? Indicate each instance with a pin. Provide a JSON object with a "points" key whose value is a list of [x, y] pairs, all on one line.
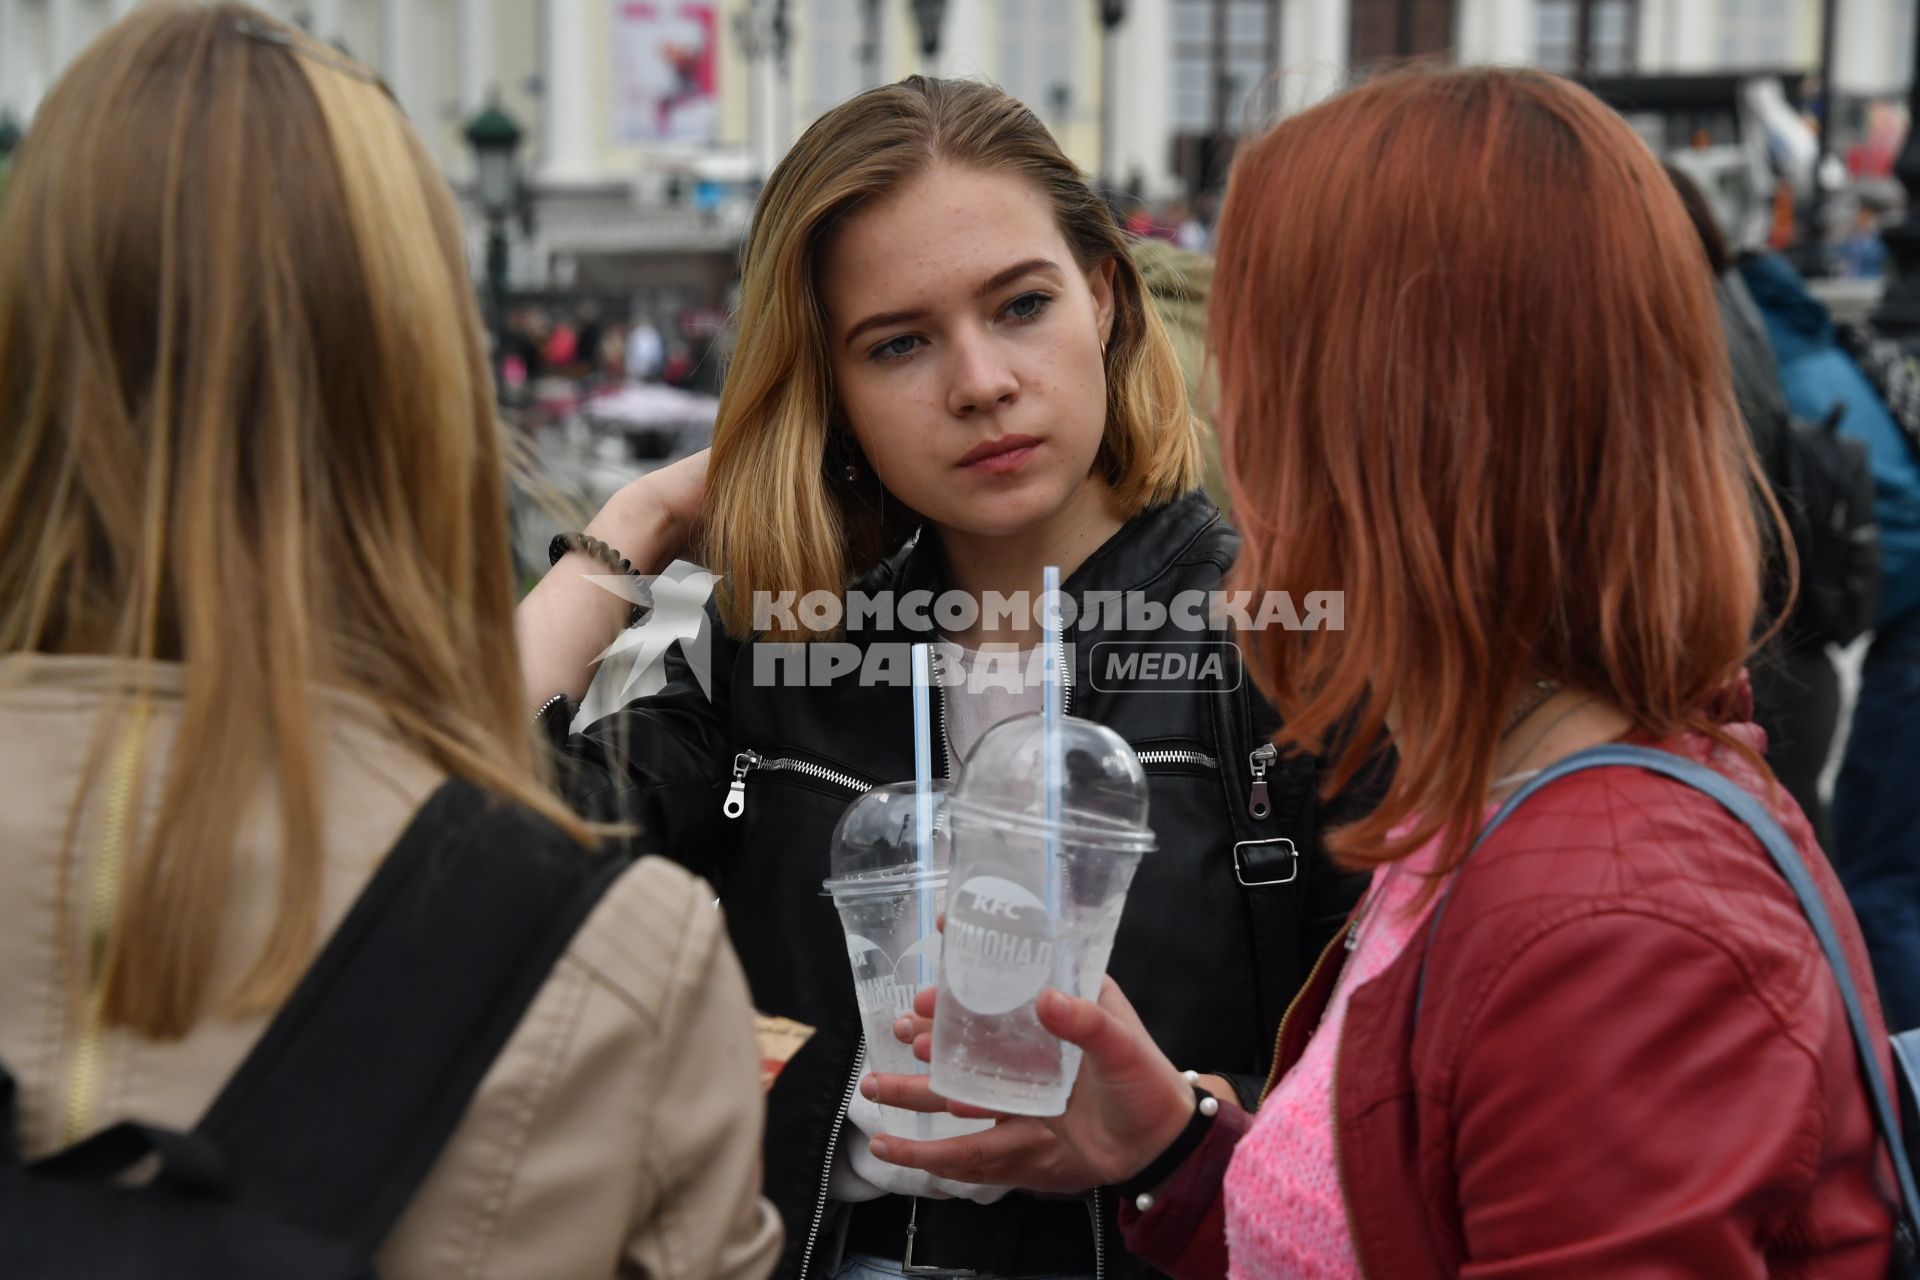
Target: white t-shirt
{"points": [[994, 687]]}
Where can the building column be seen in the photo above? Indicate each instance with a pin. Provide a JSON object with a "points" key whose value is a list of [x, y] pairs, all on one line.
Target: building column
{"points": [[397, 54], [328, 25], [478, 74], [121, 8], [1498, 31], [967, 39], [1869, 56], [1142, 112], [567, 85], [1313, 51], [13, 90], [63, 28], [1677, 36]]}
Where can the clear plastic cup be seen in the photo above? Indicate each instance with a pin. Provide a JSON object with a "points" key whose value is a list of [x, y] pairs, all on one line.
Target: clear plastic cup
{"points": [[889, 904], [1038, 889]]}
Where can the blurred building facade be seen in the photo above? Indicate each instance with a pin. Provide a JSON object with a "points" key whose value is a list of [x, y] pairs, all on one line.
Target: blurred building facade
{"points": [[649, 122]]}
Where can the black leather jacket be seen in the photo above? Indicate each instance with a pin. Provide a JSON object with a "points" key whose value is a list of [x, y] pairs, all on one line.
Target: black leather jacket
{"points": [[1210, 963]]}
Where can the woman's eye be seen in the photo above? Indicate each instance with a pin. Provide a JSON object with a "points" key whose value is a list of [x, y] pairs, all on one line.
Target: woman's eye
{"points": [[1028, 306], [896, 348]]}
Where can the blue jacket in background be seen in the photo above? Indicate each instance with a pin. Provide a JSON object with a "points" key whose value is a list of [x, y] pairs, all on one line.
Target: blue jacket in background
{"points": [[1817, 374]]}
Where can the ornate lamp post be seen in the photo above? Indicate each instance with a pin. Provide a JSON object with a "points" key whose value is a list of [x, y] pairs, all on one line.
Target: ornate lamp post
{"points": [[495, 138], [10, 136], [928, 15]]}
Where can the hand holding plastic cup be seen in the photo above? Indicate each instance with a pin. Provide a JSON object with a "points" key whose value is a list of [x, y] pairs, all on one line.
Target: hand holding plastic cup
{"points": [[889, 900], [1040, 876]]}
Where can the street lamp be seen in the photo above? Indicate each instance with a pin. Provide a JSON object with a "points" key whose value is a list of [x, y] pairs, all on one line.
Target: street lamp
{"points": [[10, 136], [1898, 314], [495, 139], [1112, 14], [928, 15]]}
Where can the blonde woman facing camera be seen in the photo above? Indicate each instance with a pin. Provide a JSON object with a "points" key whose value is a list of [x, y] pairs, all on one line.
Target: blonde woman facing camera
{"points": [[255, 632], [949, 377]]}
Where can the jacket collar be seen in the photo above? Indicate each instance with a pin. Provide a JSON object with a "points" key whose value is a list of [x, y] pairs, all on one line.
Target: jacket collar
{"points": [[1140, 551]]}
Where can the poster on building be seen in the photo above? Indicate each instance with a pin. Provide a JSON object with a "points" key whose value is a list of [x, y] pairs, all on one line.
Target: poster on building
{"points": [[664, 71]]}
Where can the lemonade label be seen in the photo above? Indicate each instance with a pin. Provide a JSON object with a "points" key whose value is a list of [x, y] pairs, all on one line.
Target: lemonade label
{"points": [[886, 986], [999, 954]]}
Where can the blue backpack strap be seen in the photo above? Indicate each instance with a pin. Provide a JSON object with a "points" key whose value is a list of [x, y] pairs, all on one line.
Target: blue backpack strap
{"points": [[1744, 806]]}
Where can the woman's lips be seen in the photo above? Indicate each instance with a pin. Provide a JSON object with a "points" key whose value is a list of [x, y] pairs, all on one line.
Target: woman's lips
{"points": [[999, 457]]}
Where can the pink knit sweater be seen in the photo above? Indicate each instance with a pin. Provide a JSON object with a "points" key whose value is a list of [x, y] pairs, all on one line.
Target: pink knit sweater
{"points": [[1286, 1219]]}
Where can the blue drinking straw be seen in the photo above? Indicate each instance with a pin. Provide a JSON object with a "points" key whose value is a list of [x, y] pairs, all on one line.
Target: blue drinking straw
{"points": [[923, 792], [1050, 712]]}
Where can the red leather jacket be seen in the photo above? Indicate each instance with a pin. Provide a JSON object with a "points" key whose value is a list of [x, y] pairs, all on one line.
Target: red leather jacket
{"points": [[1632, 1061]]}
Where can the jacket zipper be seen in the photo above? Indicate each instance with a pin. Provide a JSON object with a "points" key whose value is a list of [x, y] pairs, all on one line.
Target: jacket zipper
{"points": [[1178, 757], [1066, 674], [747, 761], [103, 901], [1259, 760], [1099, 1236], [940, 710], [826, 1164], [1279, 1037]]}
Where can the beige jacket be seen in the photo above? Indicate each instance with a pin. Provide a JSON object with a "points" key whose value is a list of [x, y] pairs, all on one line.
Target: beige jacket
{"points": [[618, 1133]]}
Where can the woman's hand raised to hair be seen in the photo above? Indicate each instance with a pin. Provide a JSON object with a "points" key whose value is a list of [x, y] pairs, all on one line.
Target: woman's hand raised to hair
{"points": [[566, 621], [1127, 1107], [656, 514]]}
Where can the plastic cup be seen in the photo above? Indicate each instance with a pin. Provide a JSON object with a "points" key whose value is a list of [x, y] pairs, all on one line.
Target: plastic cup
{"points": [[888, 902], [1035, 904]]}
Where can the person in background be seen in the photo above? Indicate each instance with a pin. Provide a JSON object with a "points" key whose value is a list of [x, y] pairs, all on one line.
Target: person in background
{"points": [[1862, 255], [1620, 1050], [256, 610], [1876, 804], [646, 352], [1796, 686]]}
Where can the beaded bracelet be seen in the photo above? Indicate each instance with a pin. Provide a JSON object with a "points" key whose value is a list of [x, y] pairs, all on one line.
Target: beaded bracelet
{"points": [[589, 545], [1138, 1187]]}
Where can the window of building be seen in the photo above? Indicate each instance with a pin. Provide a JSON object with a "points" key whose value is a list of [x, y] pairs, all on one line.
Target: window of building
{"points": [[1585, 37], [1383, 30], [1234, 37]]}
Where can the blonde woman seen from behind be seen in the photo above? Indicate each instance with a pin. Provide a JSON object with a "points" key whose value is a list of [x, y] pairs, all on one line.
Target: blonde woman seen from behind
{"points": [[256, 611]]}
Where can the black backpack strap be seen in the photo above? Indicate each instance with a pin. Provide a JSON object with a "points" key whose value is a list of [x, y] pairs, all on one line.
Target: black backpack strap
{"points": [[336, 1116]]}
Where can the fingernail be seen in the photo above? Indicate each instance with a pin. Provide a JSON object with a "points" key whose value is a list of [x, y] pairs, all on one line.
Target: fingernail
{"points": [[871, 1088], [903, 1029], [880, 1148]]}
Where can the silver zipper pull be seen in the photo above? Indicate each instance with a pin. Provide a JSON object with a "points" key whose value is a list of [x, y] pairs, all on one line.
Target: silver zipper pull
{"points": [[737, 793], [1261, 758]]}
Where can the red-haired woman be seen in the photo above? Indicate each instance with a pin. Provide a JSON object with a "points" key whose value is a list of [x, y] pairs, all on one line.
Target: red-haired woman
{"points": [[1469, 376]]}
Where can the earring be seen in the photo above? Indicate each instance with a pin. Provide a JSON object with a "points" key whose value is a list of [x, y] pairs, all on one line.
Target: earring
{"points": [[852, 473]]}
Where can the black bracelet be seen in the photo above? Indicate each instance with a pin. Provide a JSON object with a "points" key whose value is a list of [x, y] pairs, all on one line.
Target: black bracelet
{"points": [[1205, 1108], [589, 545]]}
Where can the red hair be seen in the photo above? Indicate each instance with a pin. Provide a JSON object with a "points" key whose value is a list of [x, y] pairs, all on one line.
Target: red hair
{"points": [[1472, 375]]}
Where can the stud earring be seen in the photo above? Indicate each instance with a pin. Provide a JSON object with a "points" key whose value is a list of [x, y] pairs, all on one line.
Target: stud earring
{"points": [[852, 472]]}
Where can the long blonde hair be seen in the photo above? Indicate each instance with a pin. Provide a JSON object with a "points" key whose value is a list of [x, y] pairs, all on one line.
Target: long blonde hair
{"points": [[781, 517], [246, 425]]}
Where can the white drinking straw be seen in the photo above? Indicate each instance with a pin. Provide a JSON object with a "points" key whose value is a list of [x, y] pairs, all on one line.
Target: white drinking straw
{"points": [[923, 790], [1050, 712], [923, 819]]}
